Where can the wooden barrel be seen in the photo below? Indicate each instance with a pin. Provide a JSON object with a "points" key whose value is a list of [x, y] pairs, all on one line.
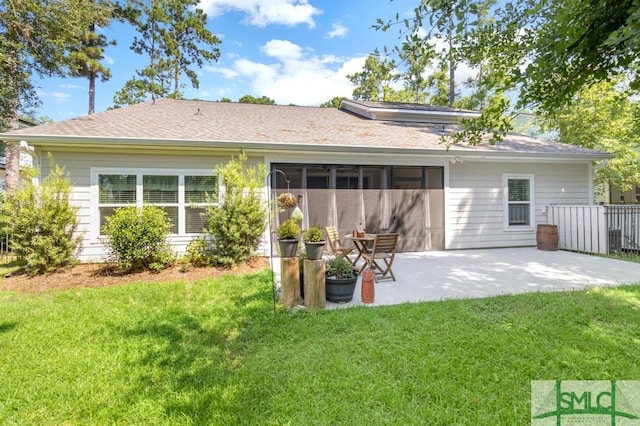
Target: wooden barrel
{"points": [[547, 237]]}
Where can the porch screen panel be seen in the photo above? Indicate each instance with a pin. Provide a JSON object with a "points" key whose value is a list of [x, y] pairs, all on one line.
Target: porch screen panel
{"points": [[434, 206], [348, 207], [319, 200], [374, 210], [408, 218]]}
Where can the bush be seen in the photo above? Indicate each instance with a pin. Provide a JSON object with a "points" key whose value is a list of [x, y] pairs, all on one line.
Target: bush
{"points": [[339, 267], [137, 238], [199, 252], [238, 220], [313, 234], [289, 230], [40, 221]]}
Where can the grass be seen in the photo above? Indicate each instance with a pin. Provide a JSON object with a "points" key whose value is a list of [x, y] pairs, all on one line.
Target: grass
{"points": [[214, 352]]}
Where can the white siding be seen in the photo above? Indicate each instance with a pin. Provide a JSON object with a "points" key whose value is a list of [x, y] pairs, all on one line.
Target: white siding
{"points": [[475, 199], [79, 167]]}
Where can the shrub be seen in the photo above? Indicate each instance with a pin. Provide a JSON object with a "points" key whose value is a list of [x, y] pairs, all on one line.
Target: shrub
{"points": [[40, 221], [289, 230], [238, 220], [313, 234], [339, 267], [137, 238], [199, 252]]}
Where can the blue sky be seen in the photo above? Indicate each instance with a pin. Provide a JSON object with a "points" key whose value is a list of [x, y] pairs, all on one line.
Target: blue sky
{"points": [[294, 51]]}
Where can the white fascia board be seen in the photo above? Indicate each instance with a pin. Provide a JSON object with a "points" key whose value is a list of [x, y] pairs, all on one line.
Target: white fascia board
{"points": [[272, 147]]}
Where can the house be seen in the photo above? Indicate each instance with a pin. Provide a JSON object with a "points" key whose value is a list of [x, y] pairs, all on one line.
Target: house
{"points": [[379, 165]]}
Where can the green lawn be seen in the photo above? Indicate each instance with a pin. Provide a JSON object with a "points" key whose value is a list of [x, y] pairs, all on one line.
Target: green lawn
{"points": [[214, 352]]}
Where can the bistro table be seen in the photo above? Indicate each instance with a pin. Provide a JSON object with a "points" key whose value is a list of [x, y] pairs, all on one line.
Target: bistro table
{"points": [[362, 244]]}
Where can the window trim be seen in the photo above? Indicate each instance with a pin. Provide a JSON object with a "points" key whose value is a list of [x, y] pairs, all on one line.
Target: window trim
{"points": [[95, 172], [505, 202]]}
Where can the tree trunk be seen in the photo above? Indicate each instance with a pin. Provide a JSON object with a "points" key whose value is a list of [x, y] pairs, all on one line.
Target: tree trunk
{"points": [[452, 64], [92, 93], [12, 149]]}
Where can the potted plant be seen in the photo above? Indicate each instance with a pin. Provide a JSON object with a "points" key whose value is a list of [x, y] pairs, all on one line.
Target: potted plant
{"points": [[314, 242], [288, 234], [340, 280]]}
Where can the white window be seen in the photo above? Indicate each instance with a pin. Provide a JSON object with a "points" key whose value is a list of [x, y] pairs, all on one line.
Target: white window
{"points": [[518, 201], [182, 195]]}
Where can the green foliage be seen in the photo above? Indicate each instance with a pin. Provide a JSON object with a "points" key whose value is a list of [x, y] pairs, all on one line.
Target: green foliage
{"points": [[546, 51], [173, 34], [263, 100], [237, 221], [605, 118], [137, 238], [373, 83], [339, 267], [333, 102], [289, 230], [199, 252], [41, 221], [313, 234]]}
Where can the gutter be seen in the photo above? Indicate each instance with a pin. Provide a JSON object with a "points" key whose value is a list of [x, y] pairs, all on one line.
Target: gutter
{"points": [[271, 147]]}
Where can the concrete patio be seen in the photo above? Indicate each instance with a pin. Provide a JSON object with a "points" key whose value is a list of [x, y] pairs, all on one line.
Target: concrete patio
{"points": [[490, 272]]}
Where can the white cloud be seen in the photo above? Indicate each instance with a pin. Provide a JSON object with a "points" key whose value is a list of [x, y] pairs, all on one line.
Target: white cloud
{"points": [[337, 30], [282, 49], [225, 72], [265, 12], [298, 76], [60, 96], [71, 86]]}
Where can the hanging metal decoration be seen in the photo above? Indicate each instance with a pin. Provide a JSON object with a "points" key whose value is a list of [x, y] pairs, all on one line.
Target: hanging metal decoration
{"points": [[287, 200]]}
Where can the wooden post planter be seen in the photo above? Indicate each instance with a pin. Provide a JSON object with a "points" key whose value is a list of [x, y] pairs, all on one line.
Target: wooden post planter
{"points": [[290, 282], [314, 286]]}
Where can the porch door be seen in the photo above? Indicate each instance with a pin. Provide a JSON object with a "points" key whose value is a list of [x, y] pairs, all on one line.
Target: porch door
{"points": [[417, 208]]}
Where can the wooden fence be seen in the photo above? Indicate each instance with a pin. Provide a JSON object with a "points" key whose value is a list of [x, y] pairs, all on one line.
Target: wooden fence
{"points": [[602, 229]]}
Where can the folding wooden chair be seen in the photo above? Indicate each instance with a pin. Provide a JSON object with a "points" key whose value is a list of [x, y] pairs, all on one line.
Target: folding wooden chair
{"points": [[336, 247], [380, 258]]}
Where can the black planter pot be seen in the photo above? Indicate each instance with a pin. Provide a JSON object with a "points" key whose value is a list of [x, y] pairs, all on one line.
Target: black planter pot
{"points": [[314, 249], [340, 290], [288, 248]]}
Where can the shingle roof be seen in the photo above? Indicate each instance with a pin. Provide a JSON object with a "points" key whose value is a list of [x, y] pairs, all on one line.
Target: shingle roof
{"points": [[188, 121]]}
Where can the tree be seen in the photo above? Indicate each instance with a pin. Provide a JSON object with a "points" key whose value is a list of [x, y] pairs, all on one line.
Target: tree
{"points": [[85, 58], [603, 117], [333, 102], [172, 34], [35, 36], [237, 221], [546, 50], [373, 82], [188, 42], [263, 100]]}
